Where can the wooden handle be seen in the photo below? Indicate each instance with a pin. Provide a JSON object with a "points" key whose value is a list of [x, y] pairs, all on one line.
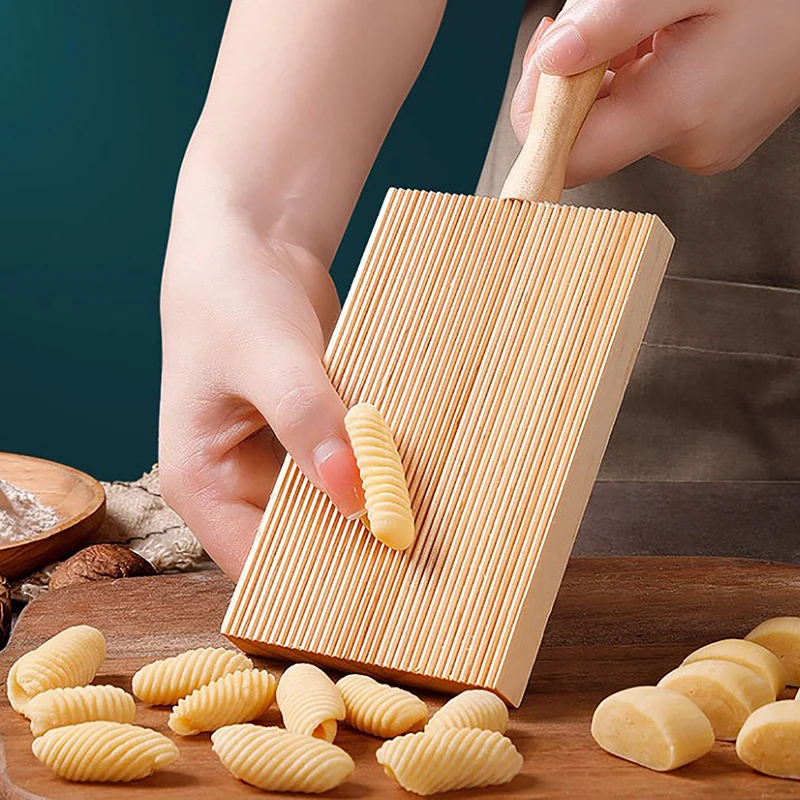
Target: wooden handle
{"points": [[560, 109]]}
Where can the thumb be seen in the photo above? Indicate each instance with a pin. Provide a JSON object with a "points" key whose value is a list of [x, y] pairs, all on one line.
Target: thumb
{"points": [[294, 394], [525, 93], [589, 32]]}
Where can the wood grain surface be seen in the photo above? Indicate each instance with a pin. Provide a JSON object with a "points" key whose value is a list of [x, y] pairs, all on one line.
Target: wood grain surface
{"points": [[78, 499], [617, 622]]}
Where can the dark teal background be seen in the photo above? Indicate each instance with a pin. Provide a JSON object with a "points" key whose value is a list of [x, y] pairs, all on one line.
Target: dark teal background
{"points": [[97, 101]]}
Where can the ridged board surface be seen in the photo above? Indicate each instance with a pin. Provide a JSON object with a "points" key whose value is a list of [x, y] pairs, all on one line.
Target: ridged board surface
{"points": [[496, 338]]}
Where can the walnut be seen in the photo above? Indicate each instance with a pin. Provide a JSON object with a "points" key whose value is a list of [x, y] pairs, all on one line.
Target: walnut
{"points": [[100, 562], [5, 610]]}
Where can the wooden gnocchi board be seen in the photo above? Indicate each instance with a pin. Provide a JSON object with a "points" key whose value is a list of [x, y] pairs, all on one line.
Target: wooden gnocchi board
{"points": [[496, 336], [617, 622]]}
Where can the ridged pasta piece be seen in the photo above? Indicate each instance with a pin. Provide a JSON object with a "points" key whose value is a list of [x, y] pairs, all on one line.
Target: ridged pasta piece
{"points": [[389, 515], [58, 707], [166, 681], [70, 658], [309, 702], [237, 697], [276, 760], [104, 752], [475, 708], [449, 758], [379, 709]]}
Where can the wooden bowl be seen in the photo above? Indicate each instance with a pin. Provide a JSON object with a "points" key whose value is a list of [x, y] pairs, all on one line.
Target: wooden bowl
{"points": [[78, 499]]}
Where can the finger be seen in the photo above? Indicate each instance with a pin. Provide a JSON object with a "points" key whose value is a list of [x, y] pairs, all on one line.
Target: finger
{"points": [[645, 47], [628, 124], [206, 489], [307, 273], [254, 466], [524, 94], [605, 85], [293, 392], [226, 526], [589, 32], [544, 24], [618, 62]]}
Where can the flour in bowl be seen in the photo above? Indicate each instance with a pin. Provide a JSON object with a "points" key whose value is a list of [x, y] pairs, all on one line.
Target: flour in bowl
{"points": [[31, 516]]}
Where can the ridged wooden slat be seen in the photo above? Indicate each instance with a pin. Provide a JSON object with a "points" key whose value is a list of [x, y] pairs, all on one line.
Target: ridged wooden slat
{"points": [[496, 337]]}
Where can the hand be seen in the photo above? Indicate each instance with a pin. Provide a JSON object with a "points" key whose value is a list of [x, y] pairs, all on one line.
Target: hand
{"points": [[245, 323], [301, 98], [698, 83]]}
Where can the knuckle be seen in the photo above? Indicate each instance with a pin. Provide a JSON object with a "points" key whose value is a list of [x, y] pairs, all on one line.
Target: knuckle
{"points": [[294, 407]]}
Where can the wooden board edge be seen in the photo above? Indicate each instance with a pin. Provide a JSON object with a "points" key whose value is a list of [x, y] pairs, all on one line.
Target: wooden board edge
{"points": [[553, 557], [420, 681]]}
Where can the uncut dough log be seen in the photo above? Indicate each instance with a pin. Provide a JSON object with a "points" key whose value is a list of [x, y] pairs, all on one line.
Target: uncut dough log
{"points": [[58, 707], [167, 680], [309, 702], [389, 515], [237, 697], [781, 635], [768, 740], [379, 709], [475, 708], [70, 658], [276, 760], [725, 692], [451, 758], [747, 654], [653, 727], [104, 752]]}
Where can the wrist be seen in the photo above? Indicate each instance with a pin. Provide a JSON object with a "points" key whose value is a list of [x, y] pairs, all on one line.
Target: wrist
{"points": [[270, 192], [214, 237]]}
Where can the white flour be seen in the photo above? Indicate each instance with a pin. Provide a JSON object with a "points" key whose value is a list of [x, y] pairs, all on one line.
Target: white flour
{"points": [[32, 516]]}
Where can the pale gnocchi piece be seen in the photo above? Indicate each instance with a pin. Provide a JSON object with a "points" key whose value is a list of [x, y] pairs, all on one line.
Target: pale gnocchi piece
{"points": [[449, 758], [236, 697], [747, 654], [378, 709], [781, 635], [725, 692], [653, 727], [276, 760], [104, 752], [768, 740], [475, 708], [309, 702], [58, 707], [70, 658], [166, 681], [389, 515]]}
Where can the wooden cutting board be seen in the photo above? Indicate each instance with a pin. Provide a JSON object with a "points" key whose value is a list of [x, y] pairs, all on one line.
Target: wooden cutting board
{"points": [[617, 622]]}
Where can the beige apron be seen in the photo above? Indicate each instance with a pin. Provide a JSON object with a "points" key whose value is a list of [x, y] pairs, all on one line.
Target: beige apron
{"points": [[715, 394]]}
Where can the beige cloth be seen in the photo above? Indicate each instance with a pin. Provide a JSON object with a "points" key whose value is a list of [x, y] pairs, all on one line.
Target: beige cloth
{"points": [[137, 516], [715, 394]]}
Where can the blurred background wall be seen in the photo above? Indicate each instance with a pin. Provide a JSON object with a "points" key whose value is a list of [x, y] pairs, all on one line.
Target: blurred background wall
{"points": [[97, 102]]}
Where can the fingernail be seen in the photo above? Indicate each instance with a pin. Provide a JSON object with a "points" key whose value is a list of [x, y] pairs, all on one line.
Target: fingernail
{"points": [[562, 48], [338, 472], [545, 23]]}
